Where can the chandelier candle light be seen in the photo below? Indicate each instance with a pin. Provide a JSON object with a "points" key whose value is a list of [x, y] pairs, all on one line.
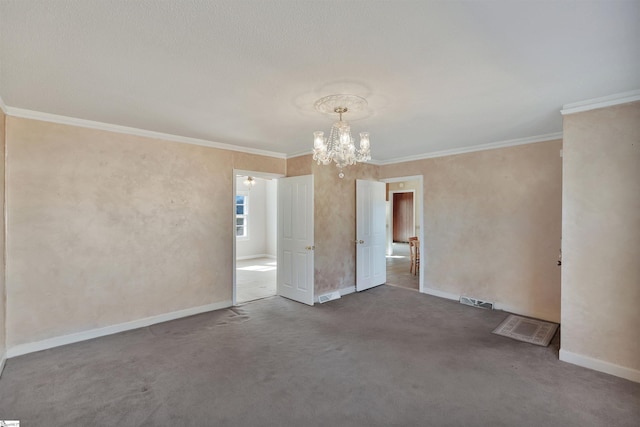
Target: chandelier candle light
{"points": [[340, 146]]}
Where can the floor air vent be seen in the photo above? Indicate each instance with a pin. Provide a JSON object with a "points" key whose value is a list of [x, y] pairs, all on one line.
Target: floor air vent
{"points": [[328, 297], [476, 303]]}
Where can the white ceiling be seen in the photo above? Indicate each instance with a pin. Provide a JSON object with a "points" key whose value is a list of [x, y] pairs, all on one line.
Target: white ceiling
{"points": [[437, 75]]}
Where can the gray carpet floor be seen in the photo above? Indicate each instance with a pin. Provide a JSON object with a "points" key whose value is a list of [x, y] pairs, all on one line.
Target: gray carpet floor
{"points": [[385, 357]]}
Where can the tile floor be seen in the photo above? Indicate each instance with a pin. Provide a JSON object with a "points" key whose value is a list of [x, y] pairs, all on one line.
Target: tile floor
{"points": [[255, 279]]}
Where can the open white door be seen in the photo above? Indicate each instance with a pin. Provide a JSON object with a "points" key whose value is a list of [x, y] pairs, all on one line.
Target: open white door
{"points": [[295, 238], [371, 263]]}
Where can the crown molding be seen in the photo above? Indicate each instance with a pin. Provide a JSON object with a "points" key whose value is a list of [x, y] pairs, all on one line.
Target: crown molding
{"points": [[299, 154], [471, 149], [602, 102], [65, 120], [54, 118], [308, 153]]}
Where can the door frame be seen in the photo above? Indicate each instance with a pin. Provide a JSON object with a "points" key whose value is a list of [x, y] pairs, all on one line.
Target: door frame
{"points": [[264, 175], [391, 193], [418, 198]]}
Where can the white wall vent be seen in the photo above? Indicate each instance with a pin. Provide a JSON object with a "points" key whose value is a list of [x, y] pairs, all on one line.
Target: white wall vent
{"points": [[328, 297], [474, 302]]}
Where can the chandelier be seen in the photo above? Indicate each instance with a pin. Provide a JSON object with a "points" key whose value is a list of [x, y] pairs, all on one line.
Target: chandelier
{"points": [[250, 182], [340, 146]]}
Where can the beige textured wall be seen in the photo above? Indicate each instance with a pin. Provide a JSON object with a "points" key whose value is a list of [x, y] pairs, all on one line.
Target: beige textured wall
{"points": [[301, 165], [105, 228], [3, 301], [601, 235], [335, 224], [492, 225]]}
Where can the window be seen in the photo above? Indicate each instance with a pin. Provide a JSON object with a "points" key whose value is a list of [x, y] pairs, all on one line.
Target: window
{"points": [[242, 212]]}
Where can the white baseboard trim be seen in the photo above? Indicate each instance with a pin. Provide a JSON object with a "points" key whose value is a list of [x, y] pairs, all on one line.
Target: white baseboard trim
{"points": [[343, 291], [523, 312], [22, 349], [441, 294], [600, 365], [242, 258], [496, 305], [346, 291]]}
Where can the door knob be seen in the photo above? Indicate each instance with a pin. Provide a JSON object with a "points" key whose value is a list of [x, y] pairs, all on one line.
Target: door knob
{"points": [[358, 241], [309, 248]]}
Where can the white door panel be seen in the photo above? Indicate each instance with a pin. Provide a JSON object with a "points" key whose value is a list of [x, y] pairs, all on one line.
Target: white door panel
{"points": [[371, 264], [295, 238]]}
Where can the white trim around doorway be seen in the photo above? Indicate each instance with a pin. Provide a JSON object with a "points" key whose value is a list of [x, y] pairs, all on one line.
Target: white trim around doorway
{"points": [[236, 172], [418, 200]]}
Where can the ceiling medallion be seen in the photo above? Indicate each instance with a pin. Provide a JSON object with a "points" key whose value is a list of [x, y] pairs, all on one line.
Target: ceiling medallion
{"points": [[340, 147]]}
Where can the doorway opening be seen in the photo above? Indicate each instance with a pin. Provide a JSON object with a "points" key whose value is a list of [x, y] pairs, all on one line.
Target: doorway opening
{"points": [[402, 212], [255, 204], [404, 232]]}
